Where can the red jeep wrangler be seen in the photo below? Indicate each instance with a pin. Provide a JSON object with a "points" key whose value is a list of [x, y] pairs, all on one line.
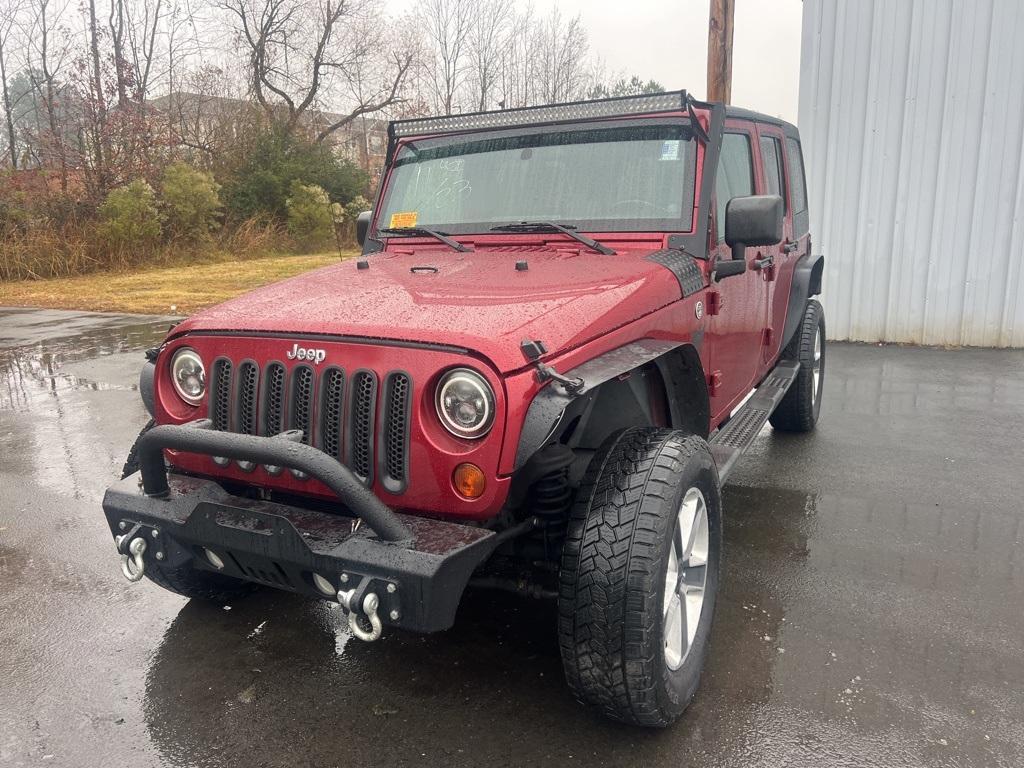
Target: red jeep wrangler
{"points": [[566, 325]]}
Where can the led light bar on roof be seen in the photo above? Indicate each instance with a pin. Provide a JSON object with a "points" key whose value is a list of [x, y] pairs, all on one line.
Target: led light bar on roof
{"points": [[553, 113]]}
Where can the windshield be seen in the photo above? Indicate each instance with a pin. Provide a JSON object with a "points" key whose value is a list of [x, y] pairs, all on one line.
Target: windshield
{"points": [[632, 177]]}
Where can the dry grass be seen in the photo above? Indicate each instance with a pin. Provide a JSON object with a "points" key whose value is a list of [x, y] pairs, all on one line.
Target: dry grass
{"points": [[177, 290]]}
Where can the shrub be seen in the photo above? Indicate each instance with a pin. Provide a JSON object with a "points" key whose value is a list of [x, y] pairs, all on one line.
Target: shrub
{"points": [[191, 202], [258, 177], [310, 221], [129, 218], [355, 206]]}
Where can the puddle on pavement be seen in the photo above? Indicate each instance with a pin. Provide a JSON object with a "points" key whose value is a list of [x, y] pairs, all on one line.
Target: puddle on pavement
{"points": [[34, 356], [828, 631], [57, 425]]}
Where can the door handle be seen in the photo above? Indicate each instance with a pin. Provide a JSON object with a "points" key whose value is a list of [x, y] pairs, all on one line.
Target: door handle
{"points": [[764, 263], [790, 247]]}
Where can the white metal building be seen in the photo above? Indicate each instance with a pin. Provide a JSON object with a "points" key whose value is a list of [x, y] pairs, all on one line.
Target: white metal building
{"points": [[912, 121]]}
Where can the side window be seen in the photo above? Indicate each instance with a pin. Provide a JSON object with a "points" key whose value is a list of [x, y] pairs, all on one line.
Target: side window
{"points": [[771, 157], [735, 175], [798, 187]]}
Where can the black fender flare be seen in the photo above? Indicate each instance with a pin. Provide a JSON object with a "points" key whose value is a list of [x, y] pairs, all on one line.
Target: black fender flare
{"points": [[806, 283], [549, 405]]}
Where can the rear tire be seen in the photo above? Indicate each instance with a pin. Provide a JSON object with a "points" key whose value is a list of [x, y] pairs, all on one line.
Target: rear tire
{"points": [[799, 409], [632, 632]]}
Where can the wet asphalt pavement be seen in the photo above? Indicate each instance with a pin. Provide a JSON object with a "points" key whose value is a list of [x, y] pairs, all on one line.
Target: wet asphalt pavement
{"points": [[872, 607]]}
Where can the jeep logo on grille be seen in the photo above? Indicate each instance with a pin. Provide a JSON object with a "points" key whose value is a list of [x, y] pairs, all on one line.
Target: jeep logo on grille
{"points": [[316, 356]]}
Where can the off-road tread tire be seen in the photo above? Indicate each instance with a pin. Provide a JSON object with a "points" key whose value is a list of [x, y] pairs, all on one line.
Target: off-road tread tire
{"points": [[798, 411], [186, 581], [194, 583], [612, 571], [131, 464]]}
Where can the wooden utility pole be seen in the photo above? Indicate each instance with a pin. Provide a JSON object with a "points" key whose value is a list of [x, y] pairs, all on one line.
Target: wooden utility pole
{"points": [[720, 50]]}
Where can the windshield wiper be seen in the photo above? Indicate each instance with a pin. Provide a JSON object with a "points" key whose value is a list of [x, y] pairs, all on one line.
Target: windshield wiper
{"points": [[404, 231], [548, 226]]}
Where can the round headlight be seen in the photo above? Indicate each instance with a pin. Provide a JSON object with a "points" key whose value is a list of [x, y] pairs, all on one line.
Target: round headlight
{"points": [[465, 403], [188, 375]]}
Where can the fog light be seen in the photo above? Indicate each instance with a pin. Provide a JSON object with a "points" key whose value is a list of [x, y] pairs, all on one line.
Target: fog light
{"points": [[214, 559], [469, 481], [324, 585]]}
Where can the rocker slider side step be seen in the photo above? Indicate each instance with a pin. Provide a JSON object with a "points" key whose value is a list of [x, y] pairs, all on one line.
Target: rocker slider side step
{"points": [[729, 442]]}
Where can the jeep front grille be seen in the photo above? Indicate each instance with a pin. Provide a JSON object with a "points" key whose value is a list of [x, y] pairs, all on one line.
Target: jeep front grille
{"points": [[332, 408], [335, 413], [248, 380], [396, 431], [220, 395], [273, 400], [363, 409], [301, 402]]}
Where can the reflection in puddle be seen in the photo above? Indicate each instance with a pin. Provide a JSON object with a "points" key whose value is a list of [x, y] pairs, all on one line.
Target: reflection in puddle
{"points": [[29, 370], [53, 428]]}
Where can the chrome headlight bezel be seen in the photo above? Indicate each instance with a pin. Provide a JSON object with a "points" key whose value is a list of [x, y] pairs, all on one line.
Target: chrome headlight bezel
{"points": [[181, 357], [464, 377]]}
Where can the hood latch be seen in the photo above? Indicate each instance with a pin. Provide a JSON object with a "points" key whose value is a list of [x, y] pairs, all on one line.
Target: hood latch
{"points": [[532, 349]]}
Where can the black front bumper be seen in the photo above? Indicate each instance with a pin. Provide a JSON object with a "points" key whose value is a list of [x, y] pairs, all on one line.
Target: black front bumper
{"points": [[417, 567]]}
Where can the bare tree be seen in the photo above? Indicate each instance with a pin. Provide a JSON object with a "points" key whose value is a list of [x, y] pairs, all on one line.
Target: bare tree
{"points": [[8, 17], [97, 103], [47, 54], [143, 26], [516, 64], [561, 64], [488, 39], [300, 54], [448, 25]]}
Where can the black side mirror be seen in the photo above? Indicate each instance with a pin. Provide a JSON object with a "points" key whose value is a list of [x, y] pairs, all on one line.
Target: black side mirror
{"points": [[753, 220], [750, 220], [363, 226]]}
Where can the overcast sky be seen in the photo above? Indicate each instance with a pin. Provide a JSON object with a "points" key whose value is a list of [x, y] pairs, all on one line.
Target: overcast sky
{"points": [[667, 40]]}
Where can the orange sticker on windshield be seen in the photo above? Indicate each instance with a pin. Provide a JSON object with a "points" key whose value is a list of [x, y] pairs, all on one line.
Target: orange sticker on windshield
{"points": [[403, 219]]}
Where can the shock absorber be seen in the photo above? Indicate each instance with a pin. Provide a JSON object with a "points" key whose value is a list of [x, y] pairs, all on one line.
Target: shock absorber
{"points": [[550, 494]]}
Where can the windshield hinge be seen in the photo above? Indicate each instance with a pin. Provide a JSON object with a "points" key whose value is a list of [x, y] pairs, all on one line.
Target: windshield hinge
{"points": [[702, 135]]}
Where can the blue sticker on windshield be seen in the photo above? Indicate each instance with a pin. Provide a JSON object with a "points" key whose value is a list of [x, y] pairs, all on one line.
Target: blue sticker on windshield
{"points": [[670, 150]]}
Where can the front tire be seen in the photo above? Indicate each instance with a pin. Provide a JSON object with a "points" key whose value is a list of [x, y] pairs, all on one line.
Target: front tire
{"points": [[800, 408], [186, 581], [639, 575], [196, 584]]}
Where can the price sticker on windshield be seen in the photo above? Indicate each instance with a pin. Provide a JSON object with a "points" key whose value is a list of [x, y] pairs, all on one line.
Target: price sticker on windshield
{"points": [[403, 219]]}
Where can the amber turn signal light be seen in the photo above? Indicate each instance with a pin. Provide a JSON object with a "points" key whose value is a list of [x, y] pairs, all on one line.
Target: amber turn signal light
{"points": [[469, 481]]}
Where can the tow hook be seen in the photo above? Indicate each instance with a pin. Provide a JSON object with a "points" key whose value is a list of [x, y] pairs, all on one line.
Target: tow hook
{"points": [[131, 549], [370, 604]]}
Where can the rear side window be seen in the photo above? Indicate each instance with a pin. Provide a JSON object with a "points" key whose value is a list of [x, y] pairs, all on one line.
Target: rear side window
{"points": [[798, 187], [735, 175], [771, 157]]}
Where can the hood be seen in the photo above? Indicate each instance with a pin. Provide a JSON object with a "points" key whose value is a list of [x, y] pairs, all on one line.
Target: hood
{"points": [[477, 300]]}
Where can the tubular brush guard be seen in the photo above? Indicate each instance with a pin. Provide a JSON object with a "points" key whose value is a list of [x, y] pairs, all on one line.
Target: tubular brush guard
{"points": [[412, 570], [199, 437]]}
